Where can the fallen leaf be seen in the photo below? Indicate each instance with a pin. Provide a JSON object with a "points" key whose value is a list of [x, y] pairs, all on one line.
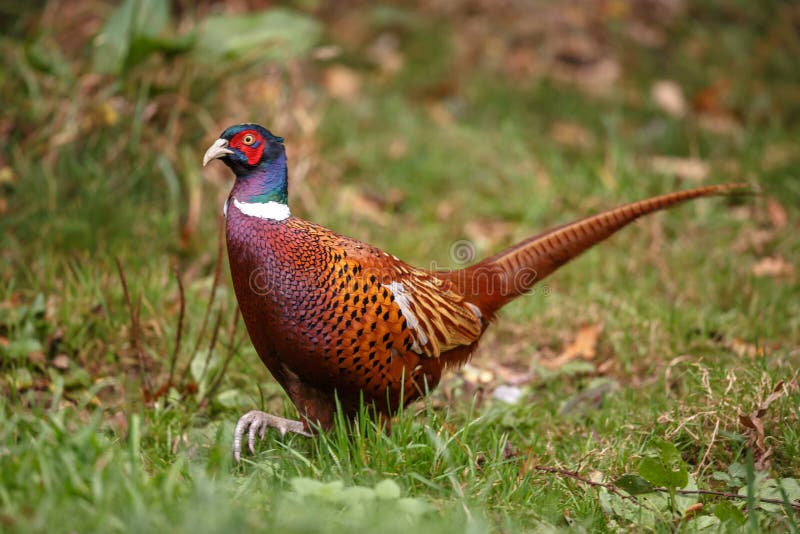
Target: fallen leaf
{"points": [[776, 213], [440, 115], [583, 346], [61, 361], [571, 134], [692, 510], [744, 349], [755, 425], [598, 78], [342, 83], [475, 375], [692, 169], [326, 52], [645, 35], [511, 376], [668, 96], [772, 266], [721, 124], [37, 357], [7, 176], [521, 62], [577, 52], [754, 239], [777, 393]]}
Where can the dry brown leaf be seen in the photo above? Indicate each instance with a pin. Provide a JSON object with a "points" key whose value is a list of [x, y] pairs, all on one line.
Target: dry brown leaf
{"points": [[583, 346], [692, 510], [475, 375], [692, 169], [744, 349], [645, 35], [668, 96], [37, 357], [511, 376], [721, 124], [7, 176], [521, 62], [753, 422], [440, 115], [778, 391], [772, 266], [571, 134], [776, 213], [61, 361], [598, 78], [754, 239], [342, 83]]}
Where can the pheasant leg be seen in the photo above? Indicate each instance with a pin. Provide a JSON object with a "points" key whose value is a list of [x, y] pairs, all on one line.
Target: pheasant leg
{"points": [[256, 422]]}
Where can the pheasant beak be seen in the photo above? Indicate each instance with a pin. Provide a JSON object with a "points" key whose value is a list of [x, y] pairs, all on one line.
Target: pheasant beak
{"points": [[216, 151]]}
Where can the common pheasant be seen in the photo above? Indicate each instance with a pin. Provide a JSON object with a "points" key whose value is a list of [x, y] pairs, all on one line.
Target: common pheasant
{"points": [[334, 318]]}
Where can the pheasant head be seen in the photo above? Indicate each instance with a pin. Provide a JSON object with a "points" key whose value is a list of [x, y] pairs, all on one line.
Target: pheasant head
{"points": [[258, 160]]}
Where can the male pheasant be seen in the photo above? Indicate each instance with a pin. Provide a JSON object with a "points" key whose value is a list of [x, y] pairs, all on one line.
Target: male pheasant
{"points": [[334, 318]]}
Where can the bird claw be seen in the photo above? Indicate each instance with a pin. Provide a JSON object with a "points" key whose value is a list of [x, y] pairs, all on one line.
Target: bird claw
{"points": [[256, 423]]}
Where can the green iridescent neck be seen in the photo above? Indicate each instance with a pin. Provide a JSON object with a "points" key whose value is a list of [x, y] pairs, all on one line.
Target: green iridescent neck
{"points": [[266, 183], [276, 195]]}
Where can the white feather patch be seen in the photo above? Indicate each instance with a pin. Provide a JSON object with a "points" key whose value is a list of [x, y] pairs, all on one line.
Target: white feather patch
{"points": [[403, 300], [274, 211]]}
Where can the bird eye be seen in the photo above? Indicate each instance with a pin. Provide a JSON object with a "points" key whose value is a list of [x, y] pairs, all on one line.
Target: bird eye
{"points": [[248, 139]]}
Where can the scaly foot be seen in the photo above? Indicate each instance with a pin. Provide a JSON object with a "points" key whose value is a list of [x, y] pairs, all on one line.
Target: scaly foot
{"points": [[256, 422]]}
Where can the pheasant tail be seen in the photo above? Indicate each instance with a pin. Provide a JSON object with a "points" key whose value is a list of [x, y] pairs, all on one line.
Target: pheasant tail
{"points": [[493, 282]]}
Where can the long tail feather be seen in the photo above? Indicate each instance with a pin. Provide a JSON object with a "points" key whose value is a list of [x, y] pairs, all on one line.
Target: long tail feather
{"points": [[500, 278]]}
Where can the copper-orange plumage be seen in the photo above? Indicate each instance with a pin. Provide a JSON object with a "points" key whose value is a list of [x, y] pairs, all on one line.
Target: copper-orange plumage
{"points": [[334, 318]]}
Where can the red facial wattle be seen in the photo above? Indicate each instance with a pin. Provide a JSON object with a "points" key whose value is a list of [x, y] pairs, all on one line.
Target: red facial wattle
{"points": [[253, 151]]}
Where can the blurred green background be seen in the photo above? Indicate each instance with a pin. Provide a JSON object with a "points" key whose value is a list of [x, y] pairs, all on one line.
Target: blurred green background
{"points": [[412, 126]]}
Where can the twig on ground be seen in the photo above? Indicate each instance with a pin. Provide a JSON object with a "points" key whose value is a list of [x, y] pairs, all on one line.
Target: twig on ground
{"points": [[615, 490], [575, 475], [708, 449]]}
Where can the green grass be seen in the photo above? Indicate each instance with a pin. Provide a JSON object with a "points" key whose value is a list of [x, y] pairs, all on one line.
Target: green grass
{"points": [[97, 168]]}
